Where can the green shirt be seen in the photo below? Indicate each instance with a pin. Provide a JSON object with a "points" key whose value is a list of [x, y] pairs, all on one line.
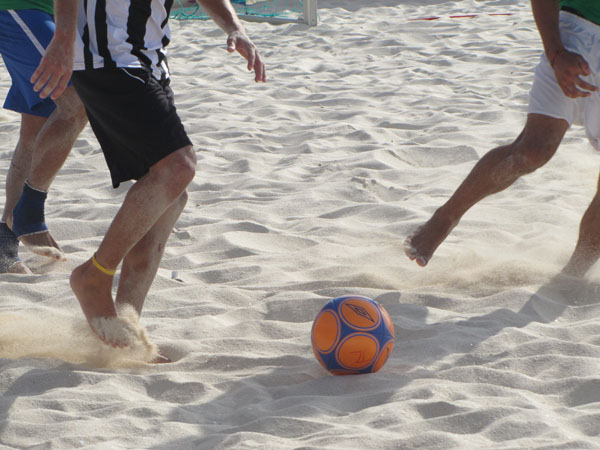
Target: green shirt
{"points": [[590, 9], [43, 5]]}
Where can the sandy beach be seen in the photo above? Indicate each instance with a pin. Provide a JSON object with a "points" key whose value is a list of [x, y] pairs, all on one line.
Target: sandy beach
{"points": [[306, 188]]}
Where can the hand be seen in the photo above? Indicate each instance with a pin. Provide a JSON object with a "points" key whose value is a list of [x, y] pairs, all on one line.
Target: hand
{"points": [[240, 42], [54, 71], [568, 67]]}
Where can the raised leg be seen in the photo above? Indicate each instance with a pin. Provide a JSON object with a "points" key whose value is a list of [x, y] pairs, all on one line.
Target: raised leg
{"points": [[495, 171]]}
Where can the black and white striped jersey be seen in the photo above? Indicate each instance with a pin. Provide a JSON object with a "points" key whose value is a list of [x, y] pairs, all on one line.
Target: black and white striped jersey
{"points": [[123, 33]]}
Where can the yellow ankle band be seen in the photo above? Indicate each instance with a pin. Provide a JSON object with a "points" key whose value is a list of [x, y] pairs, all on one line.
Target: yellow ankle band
{"points": [[101, 268]]}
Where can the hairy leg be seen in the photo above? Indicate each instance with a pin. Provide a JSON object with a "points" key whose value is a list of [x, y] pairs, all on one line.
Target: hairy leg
{"points": [[587, 250], [495, 171], [141, 263], [52, 145], [15, 179], [21, 162], [146, 203]]}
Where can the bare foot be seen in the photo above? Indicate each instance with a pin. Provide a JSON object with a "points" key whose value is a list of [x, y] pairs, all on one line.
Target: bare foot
{"points": [[19, 267], [93, 289], [43, 244], [421, 245], [28, 224]]}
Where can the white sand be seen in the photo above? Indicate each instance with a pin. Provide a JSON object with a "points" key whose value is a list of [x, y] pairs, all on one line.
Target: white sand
{"points": [[306, 188]]}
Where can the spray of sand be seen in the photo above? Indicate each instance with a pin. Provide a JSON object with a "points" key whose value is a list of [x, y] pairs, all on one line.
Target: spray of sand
{"points": [[46, 333]]}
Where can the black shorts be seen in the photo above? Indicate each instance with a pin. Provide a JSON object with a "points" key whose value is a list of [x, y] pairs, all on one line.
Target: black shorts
{"points": [[133, 117]]}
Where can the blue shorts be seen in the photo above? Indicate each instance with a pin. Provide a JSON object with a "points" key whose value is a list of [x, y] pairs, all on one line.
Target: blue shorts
{"points": [[24, 36]]}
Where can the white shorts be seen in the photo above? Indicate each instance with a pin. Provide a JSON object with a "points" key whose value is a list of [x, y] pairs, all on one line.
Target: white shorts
{"points": [[546, 97]]}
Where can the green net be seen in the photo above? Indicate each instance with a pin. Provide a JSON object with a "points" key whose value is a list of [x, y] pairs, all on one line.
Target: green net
{"points": [[278, 9]]}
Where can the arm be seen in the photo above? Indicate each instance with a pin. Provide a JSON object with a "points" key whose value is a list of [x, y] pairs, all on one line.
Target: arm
{"points": [[568, 66], [55, 68], [226, 18]]}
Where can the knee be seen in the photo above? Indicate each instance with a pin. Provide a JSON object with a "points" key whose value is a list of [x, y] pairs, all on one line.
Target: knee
{"points": [[179, 168], [70, 108], [79, 117], [538, 142], [185, 164], [530, 156]]}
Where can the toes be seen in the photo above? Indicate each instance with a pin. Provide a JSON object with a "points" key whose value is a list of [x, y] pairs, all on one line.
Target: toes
{"points": [[59, 256], [160, 359], [409, 249], [44, 245], [413, 254]]}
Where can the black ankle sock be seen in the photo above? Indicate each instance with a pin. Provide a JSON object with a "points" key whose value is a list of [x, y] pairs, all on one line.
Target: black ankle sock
{"points": [[9, 248], [28, 215]]}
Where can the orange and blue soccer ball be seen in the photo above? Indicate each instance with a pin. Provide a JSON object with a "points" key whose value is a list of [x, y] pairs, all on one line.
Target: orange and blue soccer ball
{"points": [[352, 335]]}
